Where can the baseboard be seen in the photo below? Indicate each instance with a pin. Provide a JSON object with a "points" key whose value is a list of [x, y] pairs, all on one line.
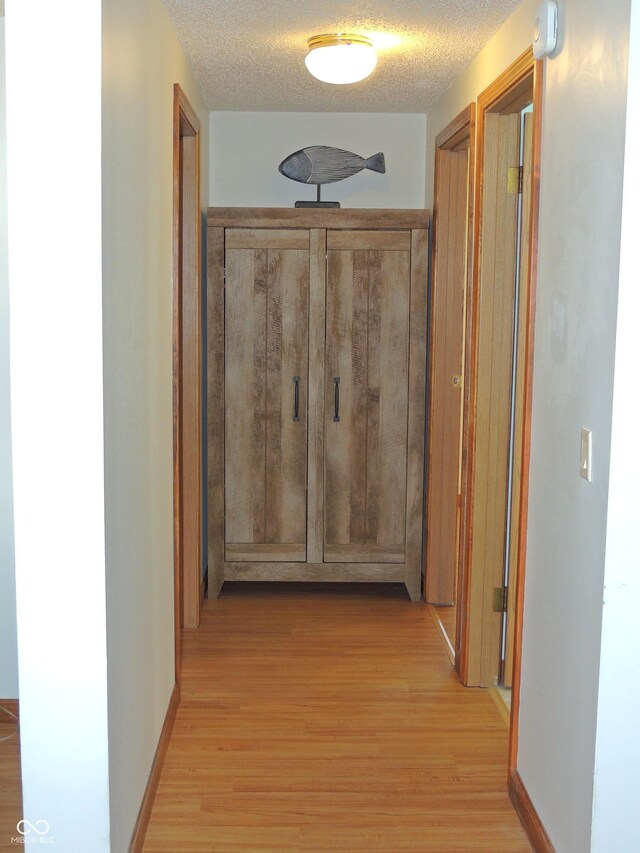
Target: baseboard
{"points": [[144, 815], [501, 705], [11, 705], [529, 818], [451, 653]]}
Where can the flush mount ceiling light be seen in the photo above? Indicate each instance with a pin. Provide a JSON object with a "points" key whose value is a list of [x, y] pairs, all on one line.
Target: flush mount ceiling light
{"points": [[340, 57]]}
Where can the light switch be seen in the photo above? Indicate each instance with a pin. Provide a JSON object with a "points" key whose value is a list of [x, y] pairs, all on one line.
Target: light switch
{"points": [[585, 454]]}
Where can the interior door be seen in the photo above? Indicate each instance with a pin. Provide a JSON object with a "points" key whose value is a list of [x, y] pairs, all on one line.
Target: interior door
{"points": [[366, 395], [493, 392], [266, 370], [447, 352]]}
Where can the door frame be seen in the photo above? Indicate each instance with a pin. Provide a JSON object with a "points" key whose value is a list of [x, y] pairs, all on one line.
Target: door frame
{"points": [[524, 75], [187, 365]]}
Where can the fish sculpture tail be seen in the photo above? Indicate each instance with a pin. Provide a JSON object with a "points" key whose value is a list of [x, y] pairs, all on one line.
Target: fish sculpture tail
{"points": [[376, 163]]}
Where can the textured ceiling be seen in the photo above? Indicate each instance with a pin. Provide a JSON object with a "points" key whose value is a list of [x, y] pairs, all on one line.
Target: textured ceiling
{"points": [[249, 54]]}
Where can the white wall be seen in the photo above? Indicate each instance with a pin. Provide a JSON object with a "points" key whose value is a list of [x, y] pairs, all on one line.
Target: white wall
{"points": [[53, 82], [8, 636], [579, 245], [141, 61], [581, 186], [246, 149], [616, 824]]}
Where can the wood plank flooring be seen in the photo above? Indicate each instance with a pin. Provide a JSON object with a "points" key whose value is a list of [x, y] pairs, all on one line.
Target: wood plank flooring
{"points": [[10, 783], [329, 720]]}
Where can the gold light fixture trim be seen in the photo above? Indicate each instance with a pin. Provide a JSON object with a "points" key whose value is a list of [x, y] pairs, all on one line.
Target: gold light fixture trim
{"points": [[340, 57], [331, 39]]}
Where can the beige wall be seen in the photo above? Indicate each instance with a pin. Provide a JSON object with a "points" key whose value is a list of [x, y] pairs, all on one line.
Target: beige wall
{"points": [[142, 59], [581, 190]]}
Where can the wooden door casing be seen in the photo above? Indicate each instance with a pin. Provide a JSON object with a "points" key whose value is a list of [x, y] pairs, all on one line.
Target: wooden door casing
{"points": [[367, 353], [266, 357]]}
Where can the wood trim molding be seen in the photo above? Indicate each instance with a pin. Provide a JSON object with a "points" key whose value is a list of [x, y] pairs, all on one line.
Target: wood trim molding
{"points": [[502, 95], [523, 509], [144, 815], [529, 817], [457, 130]]}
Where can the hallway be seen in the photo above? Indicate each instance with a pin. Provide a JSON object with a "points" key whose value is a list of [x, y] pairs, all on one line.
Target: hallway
{"points": [[329, 719]]}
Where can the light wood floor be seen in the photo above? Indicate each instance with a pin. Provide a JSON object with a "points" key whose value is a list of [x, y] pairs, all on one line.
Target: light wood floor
{"points": [[10, 784], [329, 721]]}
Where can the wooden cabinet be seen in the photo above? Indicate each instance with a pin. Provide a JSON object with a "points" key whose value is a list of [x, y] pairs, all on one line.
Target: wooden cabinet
{"points": [[316, 397]]}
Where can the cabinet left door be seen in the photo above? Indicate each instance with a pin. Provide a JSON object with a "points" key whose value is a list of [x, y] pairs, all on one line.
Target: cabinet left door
{"points": [[266, 391]]}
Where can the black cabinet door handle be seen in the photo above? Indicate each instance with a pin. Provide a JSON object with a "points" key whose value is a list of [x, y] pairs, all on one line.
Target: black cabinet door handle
{"points": [[336, 399], [296, 398]]}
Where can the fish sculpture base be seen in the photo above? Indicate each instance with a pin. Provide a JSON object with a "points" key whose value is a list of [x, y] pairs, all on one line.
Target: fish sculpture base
{"points": [[317, 204]]}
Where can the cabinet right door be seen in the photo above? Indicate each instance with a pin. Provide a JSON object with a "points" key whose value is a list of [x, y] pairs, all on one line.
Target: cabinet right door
{"points": [[366, 395]]}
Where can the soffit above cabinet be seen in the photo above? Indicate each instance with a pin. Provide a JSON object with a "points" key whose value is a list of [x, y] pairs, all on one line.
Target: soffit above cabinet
{"points": [[249, 54]]}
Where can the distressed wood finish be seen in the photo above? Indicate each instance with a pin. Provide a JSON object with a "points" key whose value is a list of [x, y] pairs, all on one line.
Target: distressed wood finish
{"points": [[266, 352], [281, 217], [279, 318], [363, 554], [215, 406], [368, 293], [317, 337], [370, 240], [447, 345], [262, 552], [329, 721], [316, 572], [415, 432], [263, 238]]}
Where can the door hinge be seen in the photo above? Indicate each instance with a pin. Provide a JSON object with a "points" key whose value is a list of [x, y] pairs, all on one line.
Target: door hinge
{"points": [[500, 596], [515, 176]]}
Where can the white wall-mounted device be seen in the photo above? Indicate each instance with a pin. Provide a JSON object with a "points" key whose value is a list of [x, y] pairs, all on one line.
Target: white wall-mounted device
{"points": [[586, 451], [545, 29]]}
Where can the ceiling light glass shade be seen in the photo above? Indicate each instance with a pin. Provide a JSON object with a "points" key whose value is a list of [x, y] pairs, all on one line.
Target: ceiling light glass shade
{"points": [[340, 58]]}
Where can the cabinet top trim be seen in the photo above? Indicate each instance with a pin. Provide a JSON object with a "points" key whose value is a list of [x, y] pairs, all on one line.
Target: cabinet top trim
{"points": [[282, 217]]}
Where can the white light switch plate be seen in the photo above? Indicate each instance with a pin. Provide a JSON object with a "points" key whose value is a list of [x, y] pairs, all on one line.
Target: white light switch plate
{"points": [[585, 454]]}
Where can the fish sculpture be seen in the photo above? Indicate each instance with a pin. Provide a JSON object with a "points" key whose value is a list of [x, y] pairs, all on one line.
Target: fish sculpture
{"points": [[321, 164]]}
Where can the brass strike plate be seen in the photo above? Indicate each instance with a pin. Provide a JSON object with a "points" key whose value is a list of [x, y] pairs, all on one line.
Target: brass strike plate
{"points": [[500, 599], [456, 382], [513, 180]]}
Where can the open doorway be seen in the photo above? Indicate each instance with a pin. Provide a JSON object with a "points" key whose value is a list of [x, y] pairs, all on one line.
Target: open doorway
{"points": [[484, 500], [452, 219], [187, 406]]}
